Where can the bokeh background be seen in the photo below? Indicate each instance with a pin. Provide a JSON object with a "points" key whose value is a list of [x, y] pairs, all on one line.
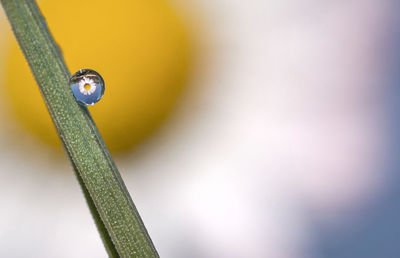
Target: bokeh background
{"points": [[263, 128]]}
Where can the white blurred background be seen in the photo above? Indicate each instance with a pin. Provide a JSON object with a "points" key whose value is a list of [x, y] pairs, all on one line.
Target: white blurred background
{"points": [[280, 147]]}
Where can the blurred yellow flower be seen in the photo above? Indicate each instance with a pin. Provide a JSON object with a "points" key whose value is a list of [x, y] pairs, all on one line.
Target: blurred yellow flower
{"points": [[141, 49]]}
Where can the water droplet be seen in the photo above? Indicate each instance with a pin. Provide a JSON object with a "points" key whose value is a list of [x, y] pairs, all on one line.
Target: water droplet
{"points": [[87, 86]]}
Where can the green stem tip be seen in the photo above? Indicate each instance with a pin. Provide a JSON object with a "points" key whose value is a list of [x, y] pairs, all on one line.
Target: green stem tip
{"points": [[116, 217]]}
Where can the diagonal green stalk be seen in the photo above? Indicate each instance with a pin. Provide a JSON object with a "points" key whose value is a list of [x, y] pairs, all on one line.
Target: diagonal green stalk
{"points": [[116, 217]]}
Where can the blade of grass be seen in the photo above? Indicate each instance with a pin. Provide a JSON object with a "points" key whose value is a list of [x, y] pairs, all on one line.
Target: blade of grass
{"points": [[117, 219]]}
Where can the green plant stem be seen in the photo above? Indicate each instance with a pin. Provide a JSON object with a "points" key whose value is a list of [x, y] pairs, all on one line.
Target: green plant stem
{"points": [[118, 221]]}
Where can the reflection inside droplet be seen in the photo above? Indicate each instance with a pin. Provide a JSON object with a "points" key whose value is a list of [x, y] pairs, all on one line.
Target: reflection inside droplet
{"points": [[87, 86]]}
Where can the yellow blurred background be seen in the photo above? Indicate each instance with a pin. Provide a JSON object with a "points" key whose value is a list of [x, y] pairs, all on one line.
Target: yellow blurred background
{"points": [[141, 48]]}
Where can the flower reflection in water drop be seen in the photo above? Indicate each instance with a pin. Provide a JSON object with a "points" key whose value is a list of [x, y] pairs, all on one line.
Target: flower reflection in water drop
{"points": [[87, 86]]}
